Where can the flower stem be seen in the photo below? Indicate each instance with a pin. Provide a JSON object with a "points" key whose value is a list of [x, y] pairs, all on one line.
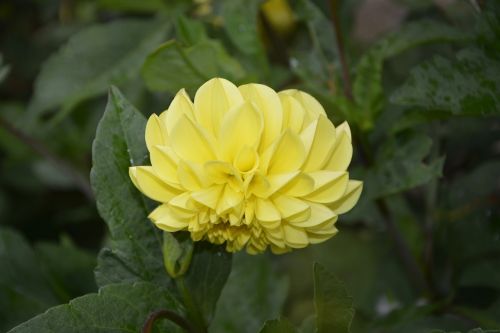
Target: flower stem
{"points": [[170, 315], [193, 310]]}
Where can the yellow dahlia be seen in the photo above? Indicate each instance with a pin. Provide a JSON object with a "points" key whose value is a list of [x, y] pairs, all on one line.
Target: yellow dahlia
{"points": [[248, 167]]}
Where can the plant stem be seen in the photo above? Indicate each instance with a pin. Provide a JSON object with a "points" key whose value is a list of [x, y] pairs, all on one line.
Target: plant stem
{"points": [[192, 308], [170, 315], [346, 77], [80, 181], [414, 273]]}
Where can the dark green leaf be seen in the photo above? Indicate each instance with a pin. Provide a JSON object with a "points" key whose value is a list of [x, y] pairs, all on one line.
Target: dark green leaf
{"points": [[135, 253], [189, 32], [400, 166], [23, 290], [469, 85], [253, 294], [69, 270], [367, 86], [147, 6], [116, 308], [281, 325], [4, 69], [334, 311], [177, 252], [94, 58], [207, 275], [173, 67]]}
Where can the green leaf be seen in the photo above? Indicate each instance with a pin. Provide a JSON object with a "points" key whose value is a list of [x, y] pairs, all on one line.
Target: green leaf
{"points": [[135, 252], [253, 293], [203, 282], [23, 290], [281, 325], [241, 26], [400, 166], [469, 85], [94, 58], [367, 86], [189, 32], [334, 311], [173, 67], [69, 270], [116, 308]]}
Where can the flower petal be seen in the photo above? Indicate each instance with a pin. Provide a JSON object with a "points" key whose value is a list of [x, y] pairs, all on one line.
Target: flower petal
{"points": [[269, 105], [164, 162], [310, 104], [293, 113], [190, 142], [319, 214], [322, 144], [328, 186], [342, 153], [180, 105], [212, 100], [156, 132], [242, 126], [267, 213], [164, 219], [350, 198], [288, 154], [148, 183], [295, 237], [290, 206]]}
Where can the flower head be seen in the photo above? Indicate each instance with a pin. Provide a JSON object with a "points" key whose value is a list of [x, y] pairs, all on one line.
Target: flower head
{"points": [[248, 167]]}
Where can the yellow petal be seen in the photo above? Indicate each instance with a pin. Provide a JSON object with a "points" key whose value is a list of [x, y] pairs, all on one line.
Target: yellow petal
{"points": [[350, 198], [164, 162], [208, 196], [299, 186], [322, 144], [342, 153], [164, 219], [329, 186], [246, 160], [191, 176], [315, 238], [242, 126], [310, 104], [295, 237], [212, 100], [156, 132], [293, 113], [181, 105], [288, 155], [190, 142], [290, 206], [269, 105], [267, 213], [228, 200], [320, 214], [277, 182], [148, 183]]}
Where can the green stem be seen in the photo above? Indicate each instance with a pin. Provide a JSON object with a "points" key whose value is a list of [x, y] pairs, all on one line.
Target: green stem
{"points": [[194, 312]]}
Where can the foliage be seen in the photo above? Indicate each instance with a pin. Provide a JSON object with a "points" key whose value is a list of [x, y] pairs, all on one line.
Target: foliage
{"points": [[418, 254]]}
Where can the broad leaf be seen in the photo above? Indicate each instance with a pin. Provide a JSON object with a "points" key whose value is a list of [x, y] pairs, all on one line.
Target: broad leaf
{"points": [[469, 85], [207, 275], [367, 86], [23, 290], [400, 166], [94, 58], [173, 67], [135, 252], [334, 311], [120, 308], [253, 293], [281, 325]]}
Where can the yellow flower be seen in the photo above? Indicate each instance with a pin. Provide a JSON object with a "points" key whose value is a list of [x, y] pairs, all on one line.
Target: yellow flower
{"points": [[248, 167]]}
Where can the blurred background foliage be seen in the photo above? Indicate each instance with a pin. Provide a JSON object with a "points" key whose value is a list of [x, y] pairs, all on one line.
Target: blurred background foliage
{"points": [[420, 88]]}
